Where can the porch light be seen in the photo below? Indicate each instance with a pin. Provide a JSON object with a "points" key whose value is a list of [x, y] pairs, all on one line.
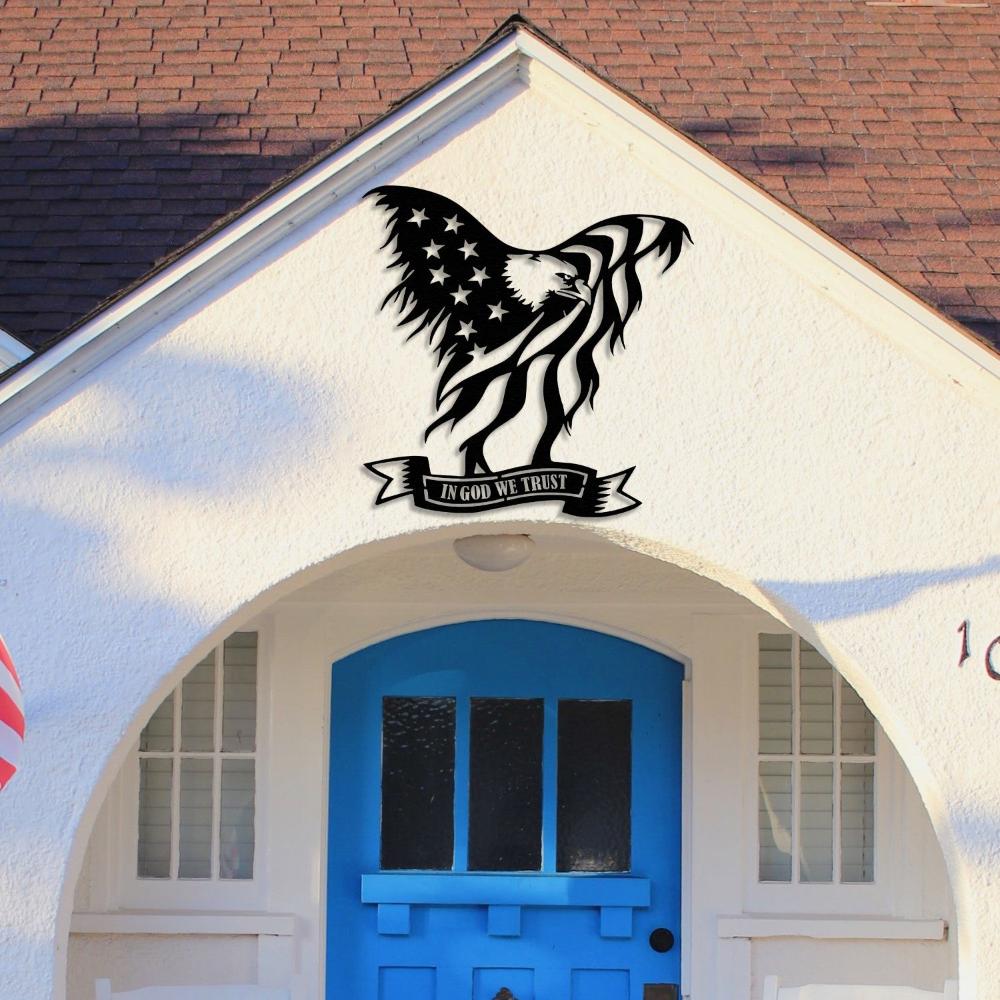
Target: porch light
{"points": [[494, 553]]}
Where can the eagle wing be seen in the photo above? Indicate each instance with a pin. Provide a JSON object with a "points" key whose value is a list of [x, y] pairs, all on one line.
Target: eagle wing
{"points": [[450, 271]]}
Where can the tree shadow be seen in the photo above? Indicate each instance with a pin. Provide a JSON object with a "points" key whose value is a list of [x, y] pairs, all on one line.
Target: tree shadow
{"points": [[834, 600]]}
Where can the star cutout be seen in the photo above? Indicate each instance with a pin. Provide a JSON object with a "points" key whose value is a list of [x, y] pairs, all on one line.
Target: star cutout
{"points": [[439, 274], [452, 225], [462, 295], [497, 311], [468, 249], [465, 330], [478, 275], [419, 215], [432, 250]]}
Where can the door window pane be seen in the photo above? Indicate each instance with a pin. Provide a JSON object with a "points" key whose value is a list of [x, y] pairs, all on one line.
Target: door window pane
{"points": [[155, 779], [196, 818], [774, 822], [816, 823], [198, 707], [594, 796], [505, 784], [418, 783], [775, 693], [236, 841], [857, 822], [239, 693]]}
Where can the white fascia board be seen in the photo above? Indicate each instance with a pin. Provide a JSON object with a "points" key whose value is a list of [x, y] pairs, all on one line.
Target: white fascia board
{"points": [[12, 351], [863, 288], [831, 928], [520, 55], [257, 229]]}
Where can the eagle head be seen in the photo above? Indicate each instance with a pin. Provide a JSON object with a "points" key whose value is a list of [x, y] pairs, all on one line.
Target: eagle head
{"points": [[535, 278]]}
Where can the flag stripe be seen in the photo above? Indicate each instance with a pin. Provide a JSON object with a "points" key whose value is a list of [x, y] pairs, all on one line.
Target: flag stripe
{"points": [[11, 715], [6, 772], [10, 745], [6, 660], [9, 686]]}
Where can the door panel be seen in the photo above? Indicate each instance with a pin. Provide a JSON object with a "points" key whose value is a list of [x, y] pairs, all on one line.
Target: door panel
{"points": [[504, 814]]}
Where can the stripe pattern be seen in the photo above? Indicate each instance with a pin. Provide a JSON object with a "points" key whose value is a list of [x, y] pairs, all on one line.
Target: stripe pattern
{"points": [[11, 716]]}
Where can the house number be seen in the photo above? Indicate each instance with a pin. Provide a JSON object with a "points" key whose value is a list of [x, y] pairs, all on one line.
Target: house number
{"points": [[992, 657]]}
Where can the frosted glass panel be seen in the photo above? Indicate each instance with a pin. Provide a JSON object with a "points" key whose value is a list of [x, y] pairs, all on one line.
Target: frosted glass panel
{"points": [[198, 707], [418, 783], [775, 822], [158, 735], [594, 786], [857, 724], [816, 702], [155, 775], [775, 694], [816, 826], [505, 784], [239, 693], [196, 818], [236, 834], [857, 819]]}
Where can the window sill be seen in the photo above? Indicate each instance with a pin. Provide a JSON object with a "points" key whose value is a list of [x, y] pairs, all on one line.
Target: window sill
{"points": [[832, 928], [183, 922]]}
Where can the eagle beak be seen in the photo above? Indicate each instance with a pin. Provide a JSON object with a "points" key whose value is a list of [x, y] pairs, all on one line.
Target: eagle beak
{"points": [[579, 290]]}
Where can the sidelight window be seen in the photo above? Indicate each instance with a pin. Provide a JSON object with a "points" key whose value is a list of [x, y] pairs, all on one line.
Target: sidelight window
{"points": [[197, 771], [815, 770]]}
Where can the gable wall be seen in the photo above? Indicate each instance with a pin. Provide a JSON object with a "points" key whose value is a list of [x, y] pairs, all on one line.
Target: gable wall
{"points": [[788, 441]]}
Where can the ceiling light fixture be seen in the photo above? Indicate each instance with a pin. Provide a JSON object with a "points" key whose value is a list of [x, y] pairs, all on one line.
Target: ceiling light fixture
{"points": [[494, 553]]}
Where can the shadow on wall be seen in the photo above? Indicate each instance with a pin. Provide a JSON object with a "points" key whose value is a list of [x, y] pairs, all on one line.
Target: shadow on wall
{"points": [[833, 600]]}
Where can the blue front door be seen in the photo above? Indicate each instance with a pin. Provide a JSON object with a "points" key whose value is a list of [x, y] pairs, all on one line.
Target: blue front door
{"points": [[505, 803]]}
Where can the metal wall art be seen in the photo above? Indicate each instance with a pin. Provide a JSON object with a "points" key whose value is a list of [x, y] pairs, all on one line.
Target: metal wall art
{"points": [[490, 312]]}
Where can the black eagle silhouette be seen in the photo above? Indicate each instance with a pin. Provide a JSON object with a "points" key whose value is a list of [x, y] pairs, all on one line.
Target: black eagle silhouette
{"points": [[492, 310]]}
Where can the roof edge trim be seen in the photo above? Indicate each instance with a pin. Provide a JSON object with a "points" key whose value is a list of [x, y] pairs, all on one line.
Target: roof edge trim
{"points": [[12, 351], [950, 343], [517, 54]]}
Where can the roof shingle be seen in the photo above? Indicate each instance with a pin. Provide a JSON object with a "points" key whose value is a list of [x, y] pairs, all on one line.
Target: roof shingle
{"points": [[128, 127]]}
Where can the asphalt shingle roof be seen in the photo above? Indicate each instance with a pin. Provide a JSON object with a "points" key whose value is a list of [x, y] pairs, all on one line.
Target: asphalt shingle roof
{"points": [[128, 127]]}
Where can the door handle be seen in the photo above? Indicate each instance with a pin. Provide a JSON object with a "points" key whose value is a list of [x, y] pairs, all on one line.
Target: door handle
{"points": [[661, 940]]}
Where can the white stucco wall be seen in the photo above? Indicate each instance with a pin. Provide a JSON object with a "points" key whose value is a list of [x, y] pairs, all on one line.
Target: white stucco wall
{"points": [[794, 436], [572, 580]]}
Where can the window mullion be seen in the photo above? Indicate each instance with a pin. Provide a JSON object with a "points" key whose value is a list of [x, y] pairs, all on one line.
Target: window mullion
{"points": [[175, 788], [217, 761], [838, 689], [796, 766]]}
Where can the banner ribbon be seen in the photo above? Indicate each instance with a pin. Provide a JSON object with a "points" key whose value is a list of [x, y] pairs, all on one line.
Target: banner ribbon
{"points": [[581, 490]]}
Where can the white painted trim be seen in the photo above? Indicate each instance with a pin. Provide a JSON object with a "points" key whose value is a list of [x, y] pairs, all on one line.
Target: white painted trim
{"points": [[12, 351], [183, 922], [832, 928], [520, 55]]}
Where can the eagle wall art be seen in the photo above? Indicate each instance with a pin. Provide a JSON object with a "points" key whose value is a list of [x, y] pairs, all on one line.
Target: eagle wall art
{"points": [[492, 312]]}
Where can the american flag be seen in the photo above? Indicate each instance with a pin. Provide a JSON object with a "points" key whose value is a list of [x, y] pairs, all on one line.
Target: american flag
{"points": [[490, 310], [11, 716]]}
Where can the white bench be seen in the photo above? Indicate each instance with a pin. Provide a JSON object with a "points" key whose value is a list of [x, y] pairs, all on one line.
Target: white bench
{"points": [[773, 990], [191, 993]]}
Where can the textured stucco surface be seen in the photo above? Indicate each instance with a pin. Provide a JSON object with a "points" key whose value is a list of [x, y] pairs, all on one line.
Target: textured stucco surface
{"points": [[782, 445]]}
